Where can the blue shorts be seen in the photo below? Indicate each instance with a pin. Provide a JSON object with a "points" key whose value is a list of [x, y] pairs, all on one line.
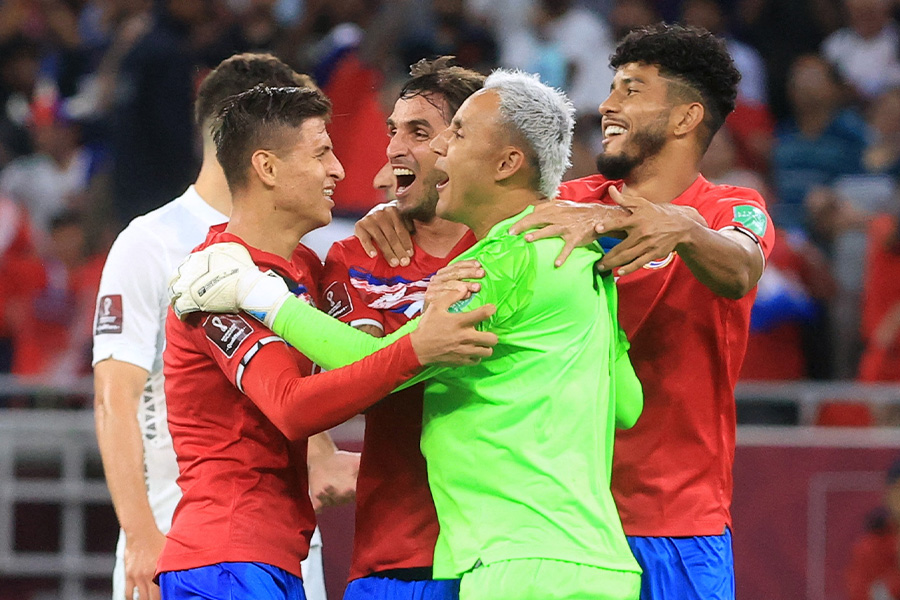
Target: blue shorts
{"points": [[231, 581], [692, 568], [385, 588]]}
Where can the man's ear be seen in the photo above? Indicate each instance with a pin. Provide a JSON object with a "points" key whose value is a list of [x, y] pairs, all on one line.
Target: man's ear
{"points": [[265, 167], [511, 161], [688, 118]]}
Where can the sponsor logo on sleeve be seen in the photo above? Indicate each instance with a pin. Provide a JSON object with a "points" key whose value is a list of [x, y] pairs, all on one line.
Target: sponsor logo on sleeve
{"points": [[109, 315], [752, 218], [338, 300], [227, 332]]}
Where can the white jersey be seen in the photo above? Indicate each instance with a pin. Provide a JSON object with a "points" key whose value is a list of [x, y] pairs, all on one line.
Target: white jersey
{"points": [[130, 326], [130, 323]]}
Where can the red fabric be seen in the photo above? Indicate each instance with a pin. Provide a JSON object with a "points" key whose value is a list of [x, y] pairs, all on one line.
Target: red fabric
{"points": [[882, 286], [874, 560], [244, 483], [358, 132], [753, 127], [672, 471], [396, 525], [777, 355]]}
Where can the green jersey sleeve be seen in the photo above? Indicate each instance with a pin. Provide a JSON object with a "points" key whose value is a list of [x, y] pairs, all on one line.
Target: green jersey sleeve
{"points": [[327, 341], [627, 391]]}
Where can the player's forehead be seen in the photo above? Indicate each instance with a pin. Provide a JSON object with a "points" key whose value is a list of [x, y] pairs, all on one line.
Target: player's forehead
{"points": [[638, 73], [480, 111], [428, 108], [311, 135]]}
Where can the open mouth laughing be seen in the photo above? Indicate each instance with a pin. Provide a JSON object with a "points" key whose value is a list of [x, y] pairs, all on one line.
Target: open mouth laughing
{"points": [[405, 178]]}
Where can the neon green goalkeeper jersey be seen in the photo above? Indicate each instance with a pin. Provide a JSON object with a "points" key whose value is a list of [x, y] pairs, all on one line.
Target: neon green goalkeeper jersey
{"points": [[519, 447]]}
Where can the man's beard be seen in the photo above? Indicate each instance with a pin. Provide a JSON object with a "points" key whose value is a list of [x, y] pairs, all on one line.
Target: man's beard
{"points": [[424, 211], [648, 142]]}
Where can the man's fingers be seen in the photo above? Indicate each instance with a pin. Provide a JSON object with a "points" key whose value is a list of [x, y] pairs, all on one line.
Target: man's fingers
{"points": [[624, 200], [154, 591], [478, 315], [402, 231], [550, 231], [467, 269], [564, 254], [130, 584], [635, 264], [365, 240], [528, 222], [384, 246]]}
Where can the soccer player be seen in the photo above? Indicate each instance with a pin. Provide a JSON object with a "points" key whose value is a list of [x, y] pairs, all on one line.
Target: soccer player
{"points": [[688, 269], [688, 266], [518, 446], [241, 403], [128, 344], [396, 526]]}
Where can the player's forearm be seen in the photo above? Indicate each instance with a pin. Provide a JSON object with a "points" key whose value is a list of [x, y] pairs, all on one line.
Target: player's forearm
{"points": [[325, 340], [629, 397], [320, 447], [122, 453], [729, 264], [303, 406]]}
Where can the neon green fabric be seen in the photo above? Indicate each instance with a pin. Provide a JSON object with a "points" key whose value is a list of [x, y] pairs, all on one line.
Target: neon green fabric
{"points": [[541, 579], [325, 340], [519, 447]]}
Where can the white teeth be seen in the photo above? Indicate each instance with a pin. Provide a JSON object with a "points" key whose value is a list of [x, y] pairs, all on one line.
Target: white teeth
{"points": [[329, 192], [613, 130], [402, 171]]}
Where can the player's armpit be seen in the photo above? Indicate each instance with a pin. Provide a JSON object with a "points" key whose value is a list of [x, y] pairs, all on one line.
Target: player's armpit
{"points": [[303, 406]]}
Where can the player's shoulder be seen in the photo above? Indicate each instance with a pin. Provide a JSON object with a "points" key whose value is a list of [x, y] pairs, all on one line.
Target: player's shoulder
{"points": [[585, 189], [349, 248], [713, 194]]}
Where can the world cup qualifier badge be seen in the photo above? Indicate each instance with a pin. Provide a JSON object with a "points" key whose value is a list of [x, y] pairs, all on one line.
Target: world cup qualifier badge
{"points": [[109, 315], [752, 218]]}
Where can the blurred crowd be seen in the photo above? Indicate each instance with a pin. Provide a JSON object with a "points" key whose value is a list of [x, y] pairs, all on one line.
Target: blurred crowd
{"points": [[96, 128]]}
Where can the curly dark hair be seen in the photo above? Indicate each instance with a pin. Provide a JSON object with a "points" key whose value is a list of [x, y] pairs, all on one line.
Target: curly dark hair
{"points": [[439, 76], [693, 57], [259, 118]]}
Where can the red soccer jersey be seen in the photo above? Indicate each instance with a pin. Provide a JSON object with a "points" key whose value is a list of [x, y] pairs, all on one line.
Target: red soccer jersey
{"points": [[396, 525], [240, 410], [672, 471]]}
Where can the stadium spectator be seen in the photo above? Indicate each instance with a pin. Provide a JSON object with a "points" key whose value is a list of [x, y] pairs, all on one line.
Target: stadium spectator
{"points": [[129, 341], [881, 303], [52, 333], [57, 175], [146, 94], [883, 153], [19, 68], [763, 23], [822, 141], [17, 261], [867, 51], [874, 569]]}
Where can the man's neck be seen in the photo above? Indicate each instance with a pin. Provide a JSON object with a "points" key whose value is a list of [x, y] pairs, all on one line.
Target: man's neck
{"points": [[212, 186], [438, 237], [663, 177], [265, 229], [505, 205]]}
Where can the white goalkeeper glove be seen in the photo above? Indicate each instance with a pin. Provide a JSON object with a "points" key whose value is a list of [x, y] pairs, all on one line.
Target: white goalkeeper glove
{"points": [[222, 278]]}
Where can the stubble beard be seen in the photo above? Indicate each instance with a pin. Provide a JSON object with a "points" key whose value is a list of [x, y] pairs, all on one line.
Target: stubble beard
{"points": [[648, 142]]}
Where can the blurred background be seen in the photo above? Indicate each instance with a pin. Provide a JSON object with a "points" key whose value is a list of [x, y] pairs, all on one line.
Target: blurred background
{"points": [[96, 128]]}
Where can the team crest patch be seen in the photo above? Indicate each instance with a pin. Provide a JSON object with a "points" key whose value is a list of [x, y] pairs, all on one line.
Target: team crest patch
{"points": [[109, 315], [752, 218], [338, 300], [460, 305], [227, 332]]}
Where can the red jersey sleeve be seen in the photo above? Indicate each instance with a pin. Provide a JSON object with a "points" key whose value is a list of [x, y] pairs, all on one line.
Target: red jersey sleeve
{"points": [[303, 406], [744, 210], [340, 298]]}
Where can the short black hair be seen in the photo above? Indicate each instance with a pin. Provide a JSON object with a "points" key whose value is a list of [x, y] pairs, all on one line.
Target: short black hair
{"points": [[691, 56], [257, 118], [439, 76], [238, 74]]}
